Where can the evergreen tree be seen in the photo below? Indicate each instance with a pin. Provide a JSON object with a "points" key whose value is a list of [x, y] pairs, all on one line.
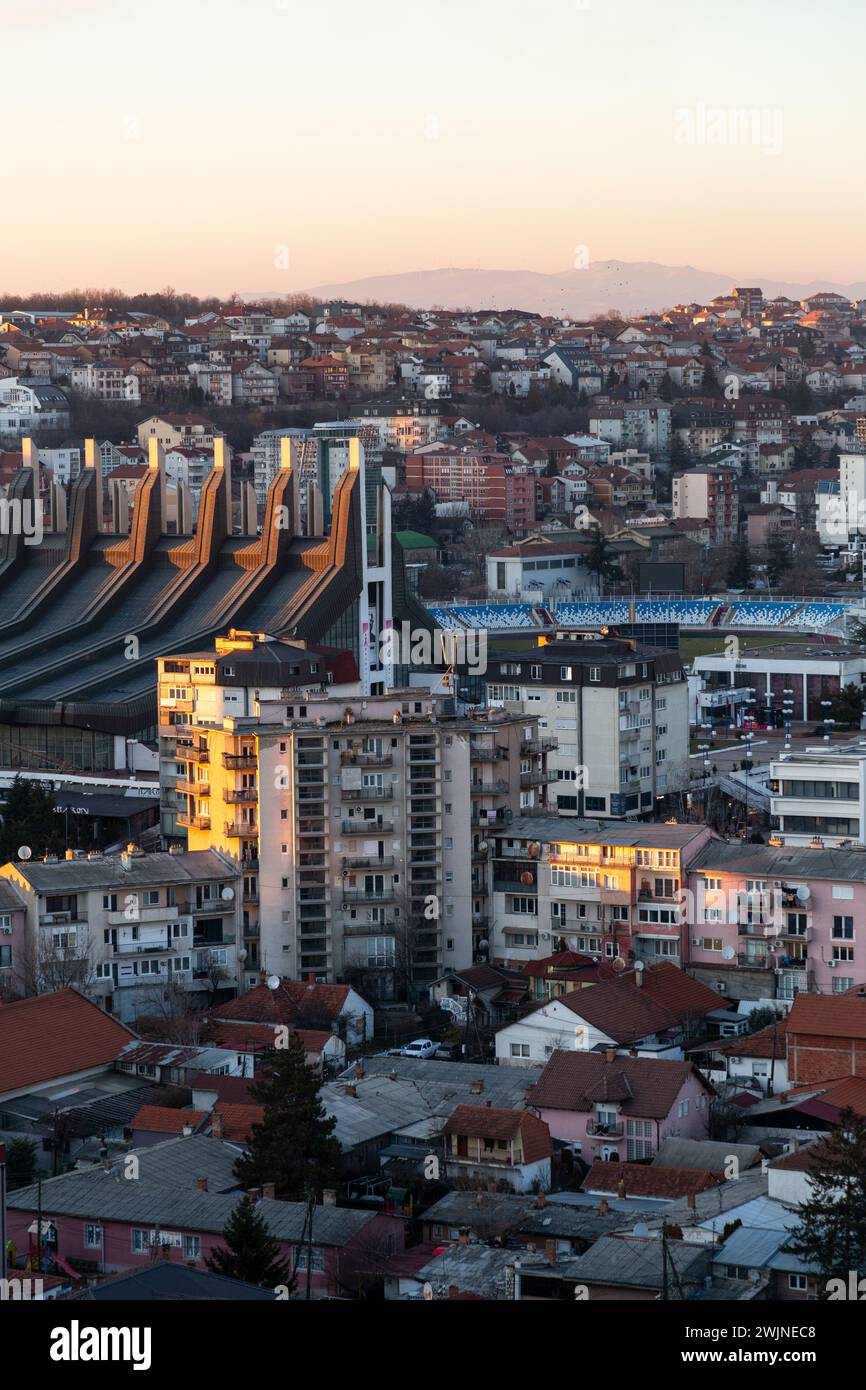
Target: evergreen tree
{"points": [[20, 1163], [739, 574], [29, 818], [847, 706], [666, 387], [832, 1230], [709, 383], [779, 559], [598, 559], [294, 1146], [250, 1253]]}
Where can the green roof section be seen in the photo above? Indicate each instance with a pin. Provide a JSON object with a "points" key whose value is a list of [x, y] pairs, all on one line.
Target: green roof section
{"points": [[414, 540]]}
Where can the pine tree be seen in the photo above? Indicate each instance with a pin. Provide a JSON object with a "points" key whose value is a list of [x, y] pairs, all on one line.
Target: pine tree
{"points": [[739, 574], [832, 1230], [29, 818], [293, 1147], [21, 1163], [250, 1253]]}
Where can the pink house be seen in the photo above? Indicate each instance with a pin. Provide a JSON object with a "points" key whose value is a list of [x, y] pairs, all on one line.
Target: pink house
{"points": [[96, 1222], [770, 921], [609, 1106]]}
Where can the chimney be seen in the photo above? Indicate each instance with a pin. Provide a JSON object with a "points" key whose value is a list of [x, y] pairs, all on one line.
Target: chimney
{"points": [[610, 1054], [352, 1091], [201, 1184], [550, 1254], [476, 1088], [620, 1189], [690, 1201], [463, 1236], [329, 1196], [216, 1125], [187, 1131], [488, 1103], [311, 979], [541, 1200], [603, 1207], [359, 1072], [269, 1190]]}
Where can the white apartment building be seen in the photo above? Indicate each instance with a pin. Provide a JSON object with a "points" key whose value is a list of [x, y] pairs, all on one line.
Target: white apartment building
{"points": [[137, 932], [29, 407], [820, 795], [107, 381], [615, 717]]}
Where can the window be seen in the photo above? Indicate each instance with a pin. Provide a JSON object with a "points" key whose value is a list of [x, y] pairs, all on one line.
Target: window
{"points": [[565, 673], [595, 674], [527, 906], [845, 953], [519, 1049], [843, 928], [191, 1247], [683, 1109], [711, 943], [141, 1241], [303, 1258], [798, 1282], [151, 897], [92, 1236]]}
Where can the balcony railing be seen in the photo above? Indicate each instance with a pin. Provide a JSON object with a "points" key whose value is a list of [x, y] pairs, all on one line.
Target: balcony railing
{"points": [[366, 759], [368, 794], [539, 745], [497, 788], [370, 863], [194, 822], [605, 1129], [537, 779], [193, 788], [239, 761], [367, 827], [188, 753], [241, 796], [241, 829]]}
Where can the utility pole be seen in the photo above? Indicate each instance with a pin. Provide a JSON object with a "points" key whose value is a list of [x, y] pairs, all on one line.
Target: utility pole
{"points": [[3, 1213]]}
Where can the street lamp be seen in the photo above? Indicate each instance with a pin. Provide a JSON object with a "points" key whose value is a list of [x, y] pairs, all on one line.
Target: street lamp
{"points": [[789, 715], [827, 705]]}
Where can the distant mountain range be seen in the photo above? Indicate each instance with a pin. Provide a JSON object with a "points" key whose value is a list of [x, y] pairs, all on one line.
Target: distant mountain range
{"points": [[629, 286]]}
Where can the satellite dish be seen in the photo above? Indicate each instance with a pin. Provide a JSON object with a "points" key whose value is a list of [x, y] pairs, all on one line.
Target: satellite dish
{"points": [[617, 963], [482, 846], [24, 852], [534, 849], [484, 946], [427, 1293], [641, 1229], [639, 966], [227, 894], [273, 982], [728, 953], [804, 893]]}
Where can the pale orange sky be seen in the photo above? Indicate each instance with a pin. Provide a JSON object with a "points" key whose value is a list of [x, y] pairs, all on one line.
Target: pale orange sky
{"points": [[188, 143]]}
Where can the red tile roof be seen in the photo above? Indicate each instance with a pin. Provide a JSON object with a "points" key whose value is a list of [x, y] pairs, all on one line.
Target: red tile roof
{"points": [[848, 1095], [51, 1036], [644, 1086], [161, 1119], [829, 1015], [762, 1043], [492, 1122], [294, 1002], [640, 1180], [238, 1120]]}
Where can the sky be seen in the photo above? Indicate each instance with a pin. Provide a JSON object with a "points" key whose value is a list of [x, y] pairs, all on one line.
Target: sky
{"points": [[272, 145]]}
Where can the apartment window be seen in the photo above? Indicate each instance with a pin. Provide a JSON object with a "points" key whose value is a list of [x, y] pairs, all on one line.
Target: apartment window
{"points": [[842, 984], [519, 1049], [92, 1236], [527, 906], [595, 674], [535, 673], [151, 897], [683, 1109], [843, 928], [109, 902], [565, 673], [845, 953]]}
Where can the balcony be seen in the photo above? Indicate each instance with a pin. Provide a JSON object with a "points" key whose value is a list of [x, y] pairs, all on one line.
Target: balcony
{"points": [[599, 1129], [366, 759], [537, 779], [370, 863], [186, 752], [359, 895], [367, 794], [194, 822], [539, 745], [240, 762], [478, 754], [497, 788], [241, 796], [367, 827], [62, 919], [143, 948], [193, 788], [240, 830]]}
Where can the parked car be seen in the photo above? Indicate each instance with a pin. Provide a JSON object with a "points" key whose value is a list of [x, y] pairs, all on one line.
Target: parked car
{"points": [[421, 1047]]}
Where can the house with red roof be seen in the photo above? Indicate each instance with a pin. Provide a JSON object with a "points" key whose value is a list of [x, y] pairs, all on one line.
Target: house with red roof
{"points": [[826, 1037], [302, 1004], [604, 1105], [498, 1147], [49, 1040], [154, 1123]]}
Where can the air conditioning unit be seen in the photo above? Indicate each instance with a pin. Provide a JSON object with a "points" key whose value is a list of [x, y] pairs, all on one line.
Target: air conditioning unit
{"points": [[696, 941], [832, 964], [5, 931], [721, 986], [545, 936]]}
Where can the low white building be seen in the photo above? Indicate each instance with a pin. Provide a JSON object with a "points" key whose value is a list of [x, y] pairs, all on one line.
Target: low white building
{"points": [[30, 407]]}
